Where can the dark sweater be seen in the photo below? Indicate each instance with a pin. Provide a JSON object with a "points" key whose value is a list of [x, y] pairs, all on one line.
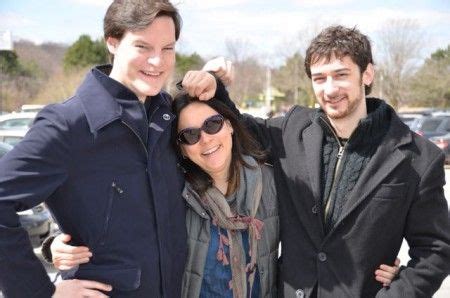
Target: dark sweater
{"points": [[337, 183]]}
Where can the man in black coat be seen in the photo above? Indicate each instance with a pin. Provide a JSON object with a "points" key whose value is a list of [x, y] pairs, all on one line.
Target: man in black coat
{"points": [[353, 182]]}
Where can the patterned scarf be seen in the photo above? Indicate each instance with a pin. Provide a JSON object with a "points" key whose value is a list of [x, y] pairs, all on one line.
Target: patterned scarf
{"points": [[248, 197]]}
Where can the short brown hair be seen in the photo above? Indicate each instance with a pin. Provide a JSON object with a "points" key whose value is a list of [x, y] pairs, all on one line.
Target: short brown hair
{"points": [[134, 15], [340, 42]]}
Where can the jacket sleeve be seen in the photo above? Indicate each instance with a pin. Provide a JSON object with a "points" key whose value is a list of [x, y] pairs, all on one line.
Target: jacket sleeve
{"points": [[266, 131], [428, 235], [29, 174]]}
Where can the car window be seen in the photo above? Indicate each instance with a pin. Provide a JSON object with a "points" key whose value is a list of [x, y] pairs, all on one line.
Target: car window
{"points": [[431, 124], [16, 123], [447, 128], [11, 140]]}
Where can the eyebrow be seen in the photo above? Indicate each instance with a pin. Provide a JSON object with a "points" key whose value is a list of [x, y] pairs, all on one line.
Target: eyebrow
{"points": [[147, 44], [334, 71]]}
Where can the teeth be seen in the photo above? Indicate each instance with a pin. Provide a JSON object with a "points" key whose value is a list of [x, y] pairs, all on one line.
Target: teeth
{"points": [[149, 73], [210, 151]]}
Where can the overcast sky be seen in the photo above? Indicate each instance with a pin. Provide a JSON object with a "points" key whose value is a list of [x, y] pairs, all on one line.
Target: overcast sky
{"points": [[267, 26]]}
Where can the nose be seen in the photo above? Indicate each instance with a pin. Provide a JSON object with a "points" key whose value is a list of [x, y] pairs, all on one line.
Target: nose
{"points": [[204, 137], [330, 87], [154, 59]]}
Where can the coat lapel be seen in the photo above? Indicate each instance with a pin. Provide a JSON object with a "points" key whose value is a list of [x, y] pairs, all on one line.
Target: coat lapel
{"points": [[312, 137], [387, 157]]}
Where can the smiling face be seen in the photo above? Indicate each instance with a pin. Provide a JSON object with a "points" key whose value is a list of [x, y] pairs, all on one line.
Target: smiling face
{"points": [[144, 60], [212, 152], [339, 87]]}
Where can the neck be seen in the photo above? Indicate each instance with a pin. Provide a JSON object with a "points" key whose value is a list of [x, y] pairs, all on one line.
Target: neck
{"points": [[345, 126], [221, 185]]}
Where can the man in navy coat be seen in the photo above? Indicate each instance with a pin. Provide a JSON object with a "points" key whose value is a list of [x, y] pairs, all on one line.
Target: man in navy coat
{"points": [[104, 164]]}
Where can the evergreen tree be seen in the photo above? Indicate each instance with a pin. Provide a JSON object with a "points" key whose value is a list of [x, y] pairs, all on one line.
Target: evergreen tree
{"points": [[84, 53]]}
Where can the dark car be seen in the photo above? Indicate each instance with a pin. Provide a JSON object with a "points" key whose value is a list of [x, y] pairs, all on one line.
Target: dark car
{"points": [[37, 220], [443, 142], [432, 126]]}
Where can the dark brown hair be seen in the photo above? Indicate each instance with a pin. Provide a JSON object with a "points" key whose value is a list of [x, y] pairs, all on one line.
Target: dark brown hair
{"points": [[243, 144], [340, 41]]}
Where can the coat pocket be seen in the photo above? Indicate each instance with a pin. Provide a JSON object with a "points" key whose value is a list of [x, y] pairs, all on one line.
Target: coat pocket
{"points": [[120, 277], [390, 191]]}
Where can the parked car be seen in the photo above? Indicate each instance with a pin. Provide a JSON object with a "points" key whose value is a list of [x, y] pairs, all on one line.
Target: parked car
{"points": [[16, 121], [31, 108], [432, 126], [12, 137], [443, 142], [37, 221], [4, 148], [412, 119]]}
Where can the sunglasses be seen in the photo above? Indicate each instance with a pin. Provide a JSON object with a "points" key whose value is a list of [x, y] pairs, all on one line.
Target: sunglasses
{"points": [[190, 136]]}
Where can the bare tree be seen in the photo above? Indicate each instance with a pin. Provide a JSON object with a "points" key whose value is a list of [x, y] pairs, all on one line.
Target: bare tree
{"points": [[401, 44], [249, 72]]}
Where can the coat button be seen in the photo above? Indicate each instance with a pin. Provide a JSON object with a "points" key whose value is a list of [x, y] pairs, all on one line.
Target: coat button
{"points": [[322, 256], [166, 117], [299, 293], [315, 209]]}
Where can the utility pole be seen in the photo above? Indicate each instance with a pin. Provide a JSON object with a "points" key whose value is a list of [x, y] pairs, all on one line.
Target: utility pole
{"points": [[268, 97]]}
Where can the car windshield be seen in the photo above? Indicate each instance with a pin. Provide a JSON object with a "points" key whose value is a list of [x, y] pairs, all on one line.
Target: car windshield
{"points": [[431, 124], [16, 123]]}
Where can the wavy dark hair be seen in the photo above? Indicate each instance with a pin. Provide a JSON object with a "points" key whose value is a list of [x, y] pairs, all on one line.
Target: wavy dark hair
{"points": [[243, 144], [340, 42]]}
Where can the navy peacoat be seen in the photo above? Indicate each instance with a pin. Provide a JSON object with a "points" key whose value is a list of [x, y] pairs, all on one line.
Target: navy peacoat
{"points": [[111, 181]]}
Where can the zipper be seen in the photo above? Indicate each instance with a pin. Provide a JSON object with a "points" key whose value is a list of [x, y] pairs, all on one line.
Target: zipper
{"points": [[336, 171], [115, 193], [336, 168], [137, 135]]}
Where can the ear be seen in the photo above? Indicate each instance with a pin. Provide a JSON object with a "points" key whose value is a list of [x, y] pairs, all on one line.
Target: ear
{"points": [[183, 151], [368, 75], [112, 44]]}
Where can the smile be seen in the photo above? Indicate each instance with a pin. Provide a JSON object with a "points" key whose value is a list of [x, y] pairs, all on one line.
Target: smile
{"points": [[335, 100], [151, 73], [212, 150]]}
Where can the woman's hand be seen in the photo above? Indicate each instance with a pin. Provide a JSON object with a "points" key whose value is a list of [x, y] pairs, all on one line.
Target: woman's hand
{"points": [[65, 256], [386, 274]]}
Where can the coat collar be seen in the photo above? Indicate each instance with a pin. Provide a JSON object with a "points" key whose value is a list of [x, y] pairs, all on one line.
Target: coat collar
{"points": [[101, 96], [99, 106]]}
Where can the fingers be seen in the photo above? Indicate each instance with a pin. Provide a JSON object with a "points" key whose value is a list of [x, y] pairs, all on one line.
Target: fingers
{"points": [[59, 245], [92, 284], [81, 288], [386, 274], [397, 262], [222, 68], [226, 74], [64, 264], [65, 256], [199, 84], [66, 261]]}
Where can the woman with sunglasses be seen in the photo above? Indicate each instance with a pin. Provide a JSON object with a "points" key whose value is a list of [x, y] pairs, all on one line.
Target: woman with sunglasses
{"points": [[232, 219], [232, 216]]}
